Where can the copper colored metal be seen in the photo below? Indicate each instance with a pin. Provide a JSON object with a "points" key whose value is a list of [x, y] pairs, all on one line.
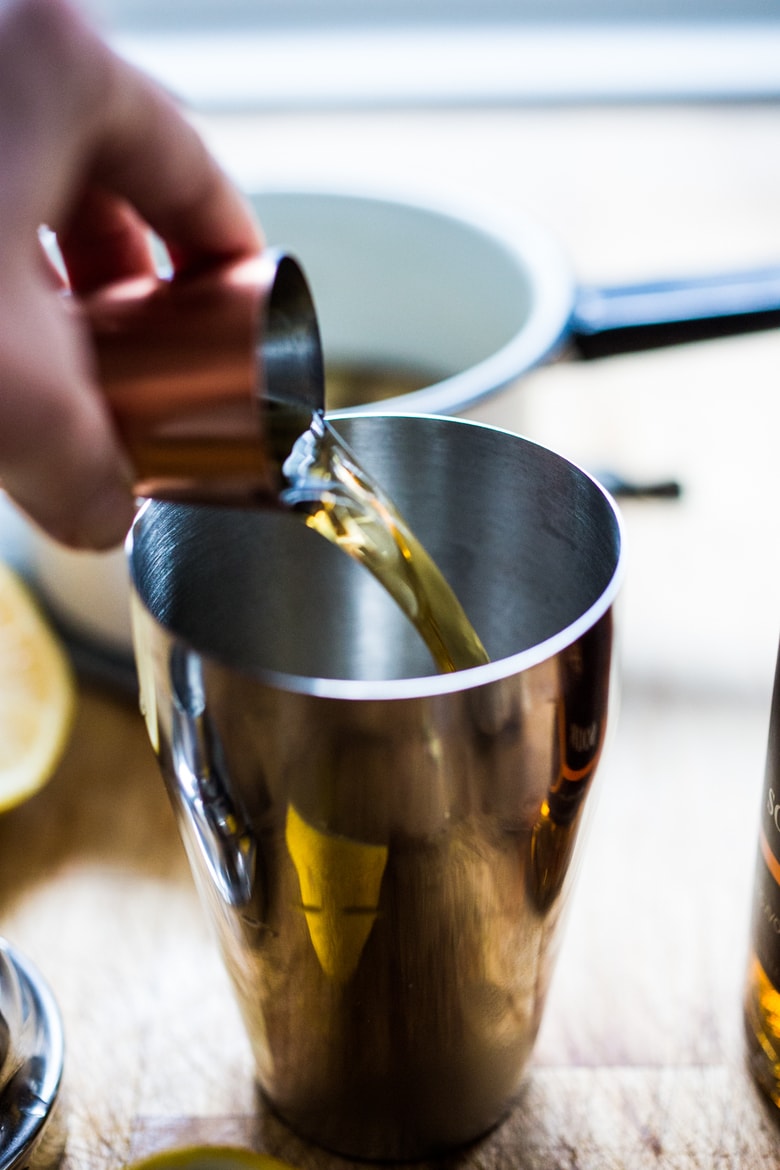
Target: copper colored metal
{"points": [[210, 377]]}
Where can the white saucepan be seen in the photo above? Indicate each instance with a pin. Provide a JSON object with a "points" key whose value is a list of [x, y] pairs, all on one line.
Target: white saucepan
{"points": [[448, 307]]}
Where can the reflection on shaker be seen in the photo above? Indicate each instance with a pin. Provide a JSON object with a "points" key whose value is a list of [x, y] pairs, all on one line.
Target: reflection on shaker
{"points": [[215, 823], [581, 727], [340, 881]]}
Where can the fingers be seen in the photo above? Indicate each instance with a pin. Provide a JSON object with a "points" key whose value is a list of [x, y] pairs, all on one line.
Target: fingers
{"points": [[179, 190], [150, 170], [93, 149], [59, 457], [104, 241], [74, 117]]}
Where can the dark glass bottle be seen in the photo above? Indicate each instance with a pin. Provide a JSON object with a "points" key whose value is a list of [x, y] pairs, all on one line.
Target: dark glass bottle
{"points": [[762, 984]]}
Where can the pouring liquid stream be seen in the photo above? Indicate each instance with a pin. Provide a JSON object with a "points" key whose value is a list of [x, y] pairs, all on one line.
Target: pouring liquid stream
{"points": [[340, 501]]}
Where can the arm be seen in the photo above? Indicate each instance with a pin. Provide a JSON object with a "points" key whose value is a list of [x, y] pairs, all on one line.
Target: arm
{"points": [[91, 148]]}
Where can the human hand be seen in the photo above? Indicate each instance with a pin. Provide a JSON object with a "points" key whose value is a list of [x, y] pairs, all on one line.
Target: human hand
{"points": [[96, 152]]}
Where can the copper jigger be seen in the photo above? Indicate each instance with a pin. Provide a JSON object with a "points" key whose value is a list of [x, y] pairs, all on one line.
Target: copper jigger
{"points": [[210, 377]]}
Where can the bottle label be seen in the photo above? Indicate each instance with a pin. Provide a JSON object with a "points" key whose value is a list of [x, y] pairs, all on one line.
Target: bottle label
{"points": [[766, 909]]}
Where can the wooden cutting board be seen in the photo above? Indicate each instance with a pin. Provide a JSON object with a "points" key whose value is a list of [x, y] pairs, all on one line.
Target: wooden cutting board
{"points": [[639, 1062]]}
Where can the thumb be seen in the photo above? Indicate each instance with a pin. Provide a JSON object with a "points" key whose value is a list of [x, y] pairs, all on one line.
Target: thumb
{"points": [[60, 458]]}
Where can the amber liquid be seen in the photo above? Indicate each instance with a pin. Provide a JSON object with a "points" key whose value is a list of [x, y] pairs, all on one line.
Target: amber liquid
{"points": [[762, 979], [340, 501], [358, 383], [762, 1027]]}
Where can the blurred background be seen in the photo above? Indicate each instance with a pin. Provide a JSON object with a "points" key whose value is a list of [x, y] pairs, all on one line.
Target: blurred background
{"points": [[380, 51], [645, 138]]}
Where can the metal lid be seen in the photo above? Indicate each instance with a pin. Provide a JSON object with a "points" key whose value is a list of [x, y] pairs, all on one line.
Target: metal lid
{"points": [[32, 1124]]}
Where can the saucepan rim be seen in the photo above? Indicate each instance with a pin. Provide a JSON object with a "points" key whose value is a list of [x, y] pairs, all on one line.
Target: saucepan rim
{"points": [[532, 248]]}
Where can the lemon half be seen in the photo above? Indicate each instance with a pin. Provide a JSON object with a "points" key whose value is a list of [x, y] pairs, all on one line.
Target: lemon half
{"points": [[210, 1158], [37, 694]]}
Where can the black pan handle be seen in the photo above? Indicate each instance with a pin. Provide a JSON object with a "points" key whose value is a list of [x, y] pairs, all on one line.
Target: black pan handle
{"points": [[633, 317]]}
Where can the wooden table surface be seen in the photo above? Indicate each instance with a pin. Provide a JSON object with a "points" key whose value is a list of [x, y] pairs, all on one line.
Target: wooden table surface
{"points": [[639, 1063]]}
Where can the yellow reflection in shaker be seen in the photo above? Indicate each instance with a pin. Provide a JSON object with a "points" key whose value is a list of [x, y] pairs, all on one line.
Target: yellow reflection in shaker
{"points": [[340, 881]]}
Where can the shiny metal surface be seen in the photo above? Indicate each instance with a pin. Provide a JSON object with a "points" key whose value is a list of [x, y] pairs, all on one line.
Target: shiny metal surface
{"points": [[211, 376], [385, 852], [32, 1126]]}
